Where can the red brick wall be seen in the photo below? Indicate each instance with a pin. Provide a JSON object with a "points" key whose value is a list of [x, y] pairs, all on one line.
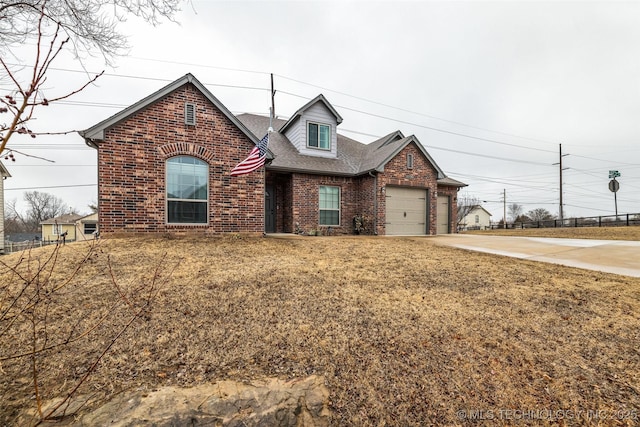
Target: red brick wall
{"points": [[297, 195], [131, 169], [305, 202], [452, 192], [422, 175]]}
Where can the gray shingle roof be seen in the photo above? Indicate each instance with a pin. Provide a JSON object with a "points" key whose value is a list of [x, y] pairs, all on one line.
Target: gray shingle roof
{"points": [[353, 157], [319, 98], [63, 219], [96, 132]]}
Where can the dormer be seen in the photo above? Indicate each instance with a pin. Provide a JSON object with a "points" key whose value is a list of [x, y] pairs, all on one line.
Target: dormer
{"points": [[313, 128]]}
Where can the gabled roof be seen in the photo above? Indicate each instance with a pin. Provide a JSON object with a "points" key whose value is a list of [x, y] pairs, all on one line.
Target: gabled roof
{"points": [[288, 159], [63, 219], [378, 154], [476, 207], [297, 114], [96, 132], [4, 173], [353, 157]]}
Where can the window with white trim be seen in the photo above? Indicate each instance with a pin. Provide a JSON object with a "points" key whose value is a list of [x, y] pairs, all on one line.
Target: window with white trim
{"points": [[329, 205], [477, 219], [319, 136], [187, 190], [89, 227]]}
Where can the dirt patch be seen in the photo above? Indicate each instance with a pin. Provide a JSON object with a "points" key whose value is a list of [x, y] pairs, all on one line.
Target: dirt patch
{"points": [[405, 332]]}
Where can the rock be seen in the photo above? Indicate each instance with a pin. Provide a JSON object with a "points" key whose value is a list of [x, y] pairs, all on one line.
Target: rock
{"points": [[271, 402]]}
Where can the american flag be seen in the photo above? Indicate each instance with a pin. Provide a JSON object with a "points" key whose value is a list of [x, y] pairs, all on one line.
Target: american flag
{"points": [[255, 160]]}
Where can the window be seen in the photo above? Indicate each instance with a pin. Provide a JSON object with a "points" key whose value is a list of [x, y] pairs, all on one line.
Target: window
{"points": [[90, 227], [187, 190], [329, 205], [56, 229], [409, 161], [477, 219], [319, 136]]}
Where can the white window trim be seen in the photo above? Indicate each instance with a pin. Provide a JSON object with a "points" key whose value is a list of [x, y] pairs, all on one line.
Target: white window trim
{"points": [[84, 227], [318, 147], [166, 197], [339, 207]]}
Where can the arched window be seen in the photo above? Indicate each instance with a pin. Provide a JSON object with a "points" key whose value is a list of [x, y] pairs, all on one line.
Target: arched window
{"points": [[187, 190]]}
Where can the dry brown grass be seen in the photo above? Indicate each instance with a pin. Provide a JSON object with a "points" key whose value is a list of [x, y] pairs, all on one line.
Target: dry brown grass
{"points": [[603, 233], [405, 332]]}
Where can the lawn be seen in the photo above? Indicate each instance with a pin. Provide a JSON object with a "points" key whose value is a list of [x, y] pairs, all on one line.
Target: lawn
{"points": [[403, 331], [604, 233]]}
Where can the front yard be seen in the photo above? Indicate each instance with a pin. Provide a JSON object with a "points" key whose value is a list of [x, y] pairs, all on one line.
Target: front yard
{"points": [[404, 332]]}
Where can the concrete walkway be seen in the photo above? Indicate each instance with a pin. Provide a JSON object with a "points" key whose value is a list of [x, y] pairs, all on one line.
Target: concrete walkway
{"points": [[610, 256]]}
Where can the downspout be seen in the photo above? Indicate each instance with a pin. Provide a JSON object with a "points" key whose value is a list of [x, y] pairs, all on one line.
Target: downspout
{"points": [[375, 202]]}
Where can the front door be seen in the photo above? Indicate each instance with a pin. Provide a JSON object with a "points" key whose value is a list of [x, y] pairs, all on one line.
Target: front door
{"points": [[269, 210]]}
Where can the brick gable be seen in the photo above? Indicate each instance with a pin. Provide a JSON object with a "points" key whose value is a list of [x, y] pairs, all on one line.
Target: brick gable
{"points": [[131, 168], [422, 175]]}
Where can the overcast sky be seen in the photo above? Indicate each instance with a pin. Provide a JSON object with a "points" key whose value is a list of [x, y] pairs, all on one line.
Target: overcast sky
{"points": [[490, 89]]}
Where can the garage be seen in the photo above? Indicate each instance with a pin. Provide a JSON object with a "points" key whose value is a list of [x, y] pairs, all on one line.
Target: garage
{"points": [[443, 215], [406, 211]]}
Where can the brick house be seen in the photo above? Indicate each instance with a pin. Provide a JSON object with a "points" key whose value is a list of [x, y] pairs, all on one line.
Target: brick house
{"points": [[164, 166]]}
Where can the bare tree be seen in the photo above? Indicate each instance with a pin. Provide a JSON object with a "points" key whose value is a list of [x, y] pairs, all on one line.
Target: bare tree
{"points": [[86, 26], [515, 210], [40, 206], [540, 214], [466, 203]]}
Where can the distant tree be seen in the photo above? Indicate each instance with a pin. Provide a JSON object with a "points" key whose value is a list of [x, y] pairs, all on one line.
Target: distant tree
{"points": [[540, 214], [93, 206], [85, 26], [40, 206], [12, 224], [466, 203], [515, 210]]}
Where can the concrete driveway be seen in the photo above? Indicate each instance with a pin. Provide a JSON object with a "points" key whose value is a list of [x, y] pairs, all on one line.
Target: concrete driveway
{"points": [[610, 256]]}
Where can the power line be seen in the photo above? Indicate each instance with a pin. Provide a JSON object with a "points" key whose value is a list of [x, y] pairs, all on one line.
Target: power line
{"points": [[52, 186], [430, 127], [412, 112]]}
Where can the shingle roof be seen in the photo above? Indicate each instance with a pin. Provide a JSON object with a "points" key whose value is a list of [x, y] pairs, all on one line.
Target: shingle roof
{"points": [[63, 219], [96, 132], [353, 157], [3, 171], [451, 182], [319, 98]]}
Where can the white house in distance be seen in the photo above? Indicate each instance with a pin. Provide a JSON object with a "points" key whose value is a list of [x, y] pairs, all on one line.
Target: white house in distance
{"points": [[478, 218], [4, 174]]}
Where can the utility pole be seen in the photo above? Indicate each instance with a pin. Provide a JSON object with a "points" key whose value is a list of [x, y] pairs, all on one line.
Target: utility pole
{"points": [[561, 210], [504, 202], [273, 99]]}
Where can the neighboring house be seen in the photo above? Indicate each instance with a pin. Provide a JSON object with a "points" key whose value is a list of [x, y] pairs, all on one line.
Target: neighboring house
{"points": [[164, 166], [4, 174], [478, 218], [87, 227], [77, 227]]}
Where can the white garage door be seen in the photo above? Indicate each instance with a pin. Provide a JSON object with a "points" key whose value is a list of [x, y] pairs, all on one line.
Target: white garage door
{"points": [[443, 215], [406, 211]]}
